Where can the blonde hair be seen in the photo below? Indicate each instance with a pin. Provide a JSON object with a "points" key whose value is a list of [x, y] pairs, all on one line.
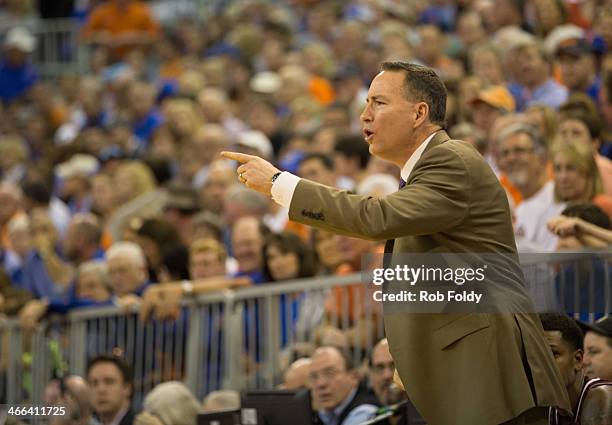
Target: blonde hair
{"points": [[141, 176], [13, 144], [208, 245], [581, 156]]}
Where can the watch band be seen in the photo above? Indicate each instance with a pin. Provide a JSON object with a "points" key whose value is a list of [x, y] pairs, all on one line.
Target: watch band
{"points": [[275, 176]]}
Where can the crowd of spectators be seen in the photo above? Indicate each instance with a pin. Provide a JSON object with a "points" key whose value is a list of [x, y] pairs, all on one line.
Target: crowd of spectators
{"points": [[112, 191]]}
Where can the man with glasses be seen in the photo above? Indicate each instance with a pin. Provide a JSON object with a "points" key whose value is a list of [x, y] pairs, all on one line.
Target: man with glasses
{"points": [[382, 369], [522, 157], [335, 389]]}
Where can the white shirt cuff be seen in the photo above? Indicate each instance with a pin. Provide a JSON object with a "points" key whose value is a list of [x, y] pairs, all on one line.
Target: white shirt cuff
{"points": [[283, 188]]}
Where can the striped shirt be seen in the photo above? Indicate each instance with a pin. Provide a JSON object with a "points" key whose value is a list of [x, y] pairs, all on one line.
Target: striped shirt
{"points": [[556, 419]]}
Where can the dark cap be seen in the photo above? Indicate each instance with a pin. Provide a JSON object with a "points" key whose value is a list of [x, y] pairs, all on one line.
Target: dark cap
{"points": [[602, 327], [574, 47]]}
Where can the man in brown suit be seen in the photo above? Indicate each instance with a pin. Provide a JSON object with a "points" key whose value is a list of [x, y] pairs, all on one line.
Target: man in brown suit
{"points": [[458, 369]]}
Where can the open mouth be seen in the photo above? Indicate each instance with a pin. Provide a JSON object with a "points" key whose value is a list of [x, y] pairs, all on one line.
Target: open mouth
{"points": [[367, 134]]}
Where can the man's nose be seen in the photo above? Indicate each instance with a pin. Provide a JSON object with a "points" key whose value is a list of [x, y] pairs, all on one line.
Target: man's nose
{"points": [[366, 115]]}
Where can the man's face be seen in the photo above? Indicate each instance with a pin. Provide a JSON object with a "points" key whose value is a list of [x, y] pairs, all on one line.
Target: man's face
{"points": [[569, 362], [518, 160], [532, 68], [73, 243], [206, 264], [330, 382], [125, 275], [247, 244], [92, 287], [313, 169], [484, 116], [381, 372], [213, 190], [110, 392], [388, 119], [597, 356], [575, 71]]}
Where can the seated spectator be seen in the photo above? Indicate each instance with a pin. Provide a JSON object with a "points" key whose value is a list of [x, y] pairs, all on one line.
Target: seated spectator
{"points": [[127, 267], [577, 178], [247, 245], [206, 225], [381, 377], [91, 289], [577, 126], [520, 155], [334, 385], [296, 376], [582, 226], [535, 84], [169, 403], [17, 74], [207, 258], [589, 399], [287, 257], [111, 380], [153, 235], [74, 393], [221, 400], [598, 349]]}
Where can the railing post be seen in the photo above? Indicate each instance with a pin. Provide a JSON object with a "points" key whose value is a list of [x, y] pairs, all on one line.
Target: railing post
{"points": [[271, 331], [233, 334], [78, 346], [194, 342]]}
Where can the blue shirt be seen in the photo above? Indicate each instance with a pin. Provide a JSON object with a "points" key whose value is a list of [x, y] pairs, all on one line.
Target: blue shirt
{"points": [[143, 129], [358, 415], [16, 81], [549, 93]]}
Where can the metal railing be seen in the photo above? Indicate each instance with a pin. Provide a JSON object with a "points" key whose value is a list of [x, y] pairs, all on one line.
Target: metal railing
{"points": [[240, 339]]}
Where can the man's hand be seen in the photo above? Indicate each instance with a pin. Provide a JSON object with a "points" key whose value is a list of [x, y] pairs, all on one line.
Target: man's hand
{"points": [[161, 302], [31, 313], [256, 173], [564, 226]]}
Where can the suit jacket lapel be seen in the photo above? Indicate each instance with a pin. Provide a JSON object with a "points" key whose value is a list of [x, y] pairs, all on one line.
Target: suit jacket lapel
{"points": [[439, 138]]}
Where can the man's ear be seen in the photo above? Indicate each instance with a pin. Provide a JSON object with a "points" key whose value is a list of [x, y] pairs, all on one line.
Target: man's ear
{"points": [[578, 354], [422, 114]]}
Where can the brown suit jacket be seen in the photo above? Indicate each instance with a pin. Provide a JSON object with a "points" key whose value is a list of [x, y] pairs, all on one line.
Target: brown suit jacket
{"points": [[473, 368]]}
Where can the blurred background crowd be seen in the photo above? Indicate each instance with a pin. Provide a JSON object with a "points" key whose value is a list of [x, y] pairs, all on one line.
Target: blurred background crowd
{"points": [[112, 192]]}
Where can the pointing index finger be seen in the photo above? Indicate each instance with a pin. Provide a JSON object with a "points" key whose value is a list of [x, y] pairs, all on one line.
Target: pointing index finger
{"points": [[236, 156]]}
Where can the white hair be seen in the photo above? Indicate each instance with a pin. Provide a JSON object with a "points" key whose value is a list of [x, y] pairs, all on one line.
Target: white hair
{"points": [[129, 250], [173, 403], [384, 183], [97, 267], [221, 400]]}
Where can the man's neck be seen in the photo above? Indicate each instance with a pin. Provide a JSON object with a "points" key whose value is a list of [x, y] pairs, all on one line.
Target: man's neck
{"points": [[537, 84], [575, 388], [420, 137], [533, 186], [110, 418]]}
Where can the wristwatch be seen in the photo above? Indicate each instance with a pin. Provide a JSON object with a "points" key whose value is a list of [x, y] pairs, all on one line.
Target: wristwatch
{"points": [[274, 177], [187, 287]]}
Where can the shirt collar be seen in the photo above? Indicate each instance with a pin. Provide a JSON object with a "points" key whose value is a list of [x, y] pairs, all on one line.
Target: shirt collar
{"points": [[333, 415], [119, 416], [414, 158]]}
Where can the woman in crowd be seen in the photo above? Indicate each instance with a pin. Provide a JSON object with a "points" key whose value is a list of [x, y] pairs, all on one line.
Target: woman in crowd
{"points": [[577, 177]]}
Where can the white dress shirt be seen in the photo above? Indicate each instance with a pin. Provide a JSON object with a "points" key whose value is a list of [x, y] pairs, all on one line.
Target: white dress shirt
{"points": [[285, 184]]}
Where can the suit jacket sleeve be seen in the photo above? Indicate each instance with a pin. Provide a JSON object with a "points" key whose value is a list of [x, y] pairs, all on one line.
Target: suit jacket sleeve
{"points": [[435, 200]]}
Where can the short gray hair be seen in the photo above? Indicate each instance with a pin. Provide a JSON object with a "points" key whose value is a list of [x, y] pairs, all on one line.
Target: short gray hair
{"points": [[127, 249], [173, 403], [97, 267], [523, 128]]}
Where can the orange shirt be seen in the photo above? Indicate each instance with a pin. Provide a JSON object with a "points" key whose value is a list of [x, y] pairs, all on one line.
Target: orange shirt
{"points": [[109, 16]]}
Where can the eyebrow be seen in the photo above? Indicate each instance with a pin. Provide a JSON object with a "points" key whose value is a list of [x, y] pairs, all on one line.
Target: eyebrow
{"points": [[377, 97]]}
